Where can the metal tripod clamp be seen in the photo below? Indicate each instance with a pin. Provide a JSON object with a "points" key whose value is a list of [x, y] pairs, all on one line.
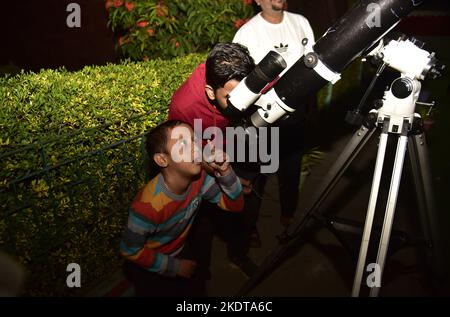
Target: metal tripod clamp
{"points": [[312, 60]]}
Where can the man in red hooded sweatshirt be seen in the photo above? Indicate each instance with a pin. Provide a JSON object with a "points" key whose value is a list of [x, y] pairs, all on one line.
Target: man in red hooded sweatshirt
{"points": [[204, 96]]}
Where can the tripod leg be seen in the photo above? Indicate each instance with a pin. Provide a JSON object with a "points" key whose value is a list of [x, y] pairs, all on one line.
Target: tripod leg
{"points": [[420, 166], [354, 146], [357, 142], [370, 213], [390, 207]]}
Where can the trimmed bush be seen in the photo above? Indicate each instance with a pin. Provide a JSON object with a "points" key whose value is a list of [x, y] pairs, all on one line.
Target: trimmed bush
{"points": [[71, 160], [158, 28]]}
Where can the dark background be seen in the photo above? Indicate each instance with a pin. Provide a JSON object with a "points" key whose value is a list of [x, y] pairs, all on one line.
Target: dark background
{"points": [[35, 34]]}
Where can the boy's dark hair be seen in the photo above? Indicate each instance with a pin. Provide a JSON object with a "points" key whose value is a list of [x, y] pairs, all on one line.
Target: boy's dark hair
{"points": [[227, 61], [156, 142]]}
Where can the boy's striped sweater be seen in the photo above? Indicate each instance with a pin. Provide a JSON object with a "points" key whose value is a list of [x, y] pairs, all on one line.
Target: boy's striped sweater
{"points": [[159, 220]]}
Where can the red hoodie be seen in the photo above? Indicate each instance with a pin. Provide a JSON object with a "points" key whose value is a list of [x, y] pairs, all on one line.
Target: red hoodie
{"points": [[190, 102]]}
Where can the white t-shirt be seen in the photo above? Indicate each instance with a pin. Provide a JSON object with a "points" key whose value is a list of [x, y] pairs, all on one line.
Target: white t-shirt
{"points": [[286, 37]]}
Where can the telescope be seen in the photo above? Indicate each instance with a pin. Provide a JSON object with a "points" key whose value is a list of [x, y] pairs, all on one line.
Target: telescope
{"points": [[355, 33], [360, 32]]}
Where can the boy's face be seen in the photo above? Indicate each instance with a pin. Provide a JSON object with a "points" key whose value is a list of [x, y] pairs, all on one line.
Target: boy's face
{"points": [[183, 156]]}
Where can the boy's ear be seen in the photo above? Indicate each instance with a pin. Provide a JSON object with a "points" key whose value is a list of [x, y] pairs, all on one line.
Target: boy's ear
{"points": [[210, 92], [161, 159]]}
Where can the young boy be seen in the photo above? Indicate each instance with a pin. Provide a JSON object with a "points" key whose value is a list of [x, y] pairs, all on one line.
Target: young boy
{"points": [[161, 259]]}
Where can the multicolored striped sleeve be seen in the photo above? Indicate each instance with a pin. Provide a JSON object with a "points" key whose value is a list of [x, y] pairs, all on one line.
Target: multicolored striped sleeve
{"points": [[133, 246], [225, 191]]}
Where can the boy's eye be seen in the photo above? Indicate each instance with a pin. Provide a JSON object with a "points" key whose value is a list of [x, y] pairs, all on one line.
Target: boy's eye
{"points": [[183, 142]]}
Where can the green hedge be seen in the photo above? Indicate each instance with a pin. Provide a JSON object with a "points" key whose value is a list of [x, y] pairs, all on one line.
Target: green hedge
{"points": [[62, 199]]}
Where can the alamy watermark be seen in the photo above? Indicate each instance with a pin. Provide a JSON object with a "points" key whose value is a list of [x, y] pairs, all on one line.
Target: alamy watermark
{"points": [[74, 278], [374, 278], [249, 145], [73, 20], [374, 18]]}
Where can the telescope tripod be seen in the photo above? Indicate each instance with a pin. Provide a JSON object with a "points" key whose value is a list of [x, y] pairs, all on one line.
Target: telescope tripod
{"points": [[414, 140], [411, 137]]}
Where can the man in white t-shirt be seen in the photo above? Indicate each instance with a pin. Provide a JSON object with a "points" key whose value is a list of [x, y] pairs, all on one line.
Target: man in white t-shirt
{"points": [[281, 31], [275, 29]]}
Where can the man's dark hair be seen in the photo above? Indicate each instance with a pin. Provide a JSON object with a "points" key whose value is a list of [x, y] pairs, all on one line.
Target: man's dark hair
{"points": [[227, 61], [156, 142]]}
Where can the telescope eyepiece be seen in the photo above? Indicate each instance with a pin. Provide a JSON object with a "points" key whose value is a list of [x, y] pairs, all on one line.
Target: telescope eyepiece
{"points": [[265, 72]]}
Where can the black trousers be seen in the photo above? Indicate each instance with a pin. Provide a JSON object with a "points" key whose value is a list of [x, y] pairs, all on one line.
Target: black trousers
{"points": [[227, 225], [237, 228], [291, 147]]}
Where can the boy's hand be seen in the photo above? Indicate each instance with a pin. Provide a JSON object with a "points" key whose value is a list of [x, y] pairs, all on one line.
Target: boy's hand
{"points": [[218, 161], [246, 186], [187, 268]]}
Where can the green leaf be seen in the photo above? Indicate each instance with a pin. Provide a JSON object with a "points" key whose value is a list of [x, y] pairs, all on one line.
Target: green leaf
{"points": [[201, 22]]}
